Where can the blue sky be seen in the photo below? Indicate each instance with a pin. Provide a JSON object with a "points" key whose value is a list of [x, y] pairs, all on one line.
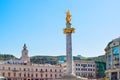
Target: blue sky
{"points": [[40, 24]]}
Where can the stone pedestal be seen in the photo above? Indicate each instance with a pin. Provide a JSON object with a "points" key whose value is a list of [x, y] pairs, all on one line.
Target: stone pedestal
{"points": [[71, 77]]}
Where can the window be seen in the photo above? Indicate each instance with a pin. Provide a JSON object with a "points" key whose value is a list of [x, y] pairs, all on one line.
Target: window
{"points": [[32, 69], [9, 74], [24, 69], [115, 50], [89, 69], [36, 75], [31, 75], [3, 74], [50, 70], [60, 70], [55, 70], [41, 70], [84, 65], [41, 75], [24, 75], [76, 64], [14, 68], [14, 74], [60, 75], [50, 75], [55, 75], [109, 58], [76, 69], [28, 69], [28, 75], [46, 70], [3, 68], [89, 65], [36, 70], [19, 69], [19, 74], [8, 68], [46, 75]]}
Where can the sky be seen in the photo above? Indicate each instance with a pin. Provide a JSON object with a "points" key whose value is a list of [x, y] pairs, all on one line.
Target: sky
{"points": [[40, 24]]}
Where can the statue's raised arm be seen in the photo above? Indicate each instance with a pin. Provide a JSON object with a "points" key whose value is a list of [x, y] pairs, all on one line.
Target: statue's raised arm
{"points": [[68, 17]]}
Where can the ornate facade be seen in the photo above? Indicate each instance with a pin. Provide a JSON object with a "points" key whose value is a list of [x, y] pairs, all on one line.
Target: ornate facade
{"points": [[23, 70], [113, 59]]}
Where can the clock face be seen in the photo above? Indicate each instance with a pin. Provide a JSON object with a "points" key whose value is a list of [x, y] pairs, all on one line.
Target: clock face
{"points": [[116, 50], [25, 53]]}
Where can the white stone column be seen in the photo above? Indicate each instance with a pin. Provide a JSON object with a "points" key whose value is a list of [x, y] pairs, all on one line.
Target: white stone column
{"points": [[69, 51]]}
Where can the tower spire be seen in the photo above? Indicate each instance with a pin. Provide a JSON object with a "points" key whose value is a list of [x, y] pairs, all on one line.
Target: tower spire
{"points": [[24, 47]]}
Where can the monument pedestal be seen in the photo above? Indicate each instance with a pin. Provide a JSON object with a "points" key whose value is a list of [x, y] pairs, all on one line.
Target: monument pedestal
{"points": [[71, 77]]}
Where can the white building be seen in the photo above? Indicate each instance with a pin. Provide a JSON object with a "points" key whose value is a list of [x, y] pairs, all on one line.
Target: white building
{"points": [[82, 68], [113, 59]]}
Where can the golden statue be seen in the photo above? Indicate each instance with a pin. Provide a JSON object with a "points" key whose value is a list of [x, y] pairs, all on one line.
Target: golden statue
{"points": [[68, 17]]}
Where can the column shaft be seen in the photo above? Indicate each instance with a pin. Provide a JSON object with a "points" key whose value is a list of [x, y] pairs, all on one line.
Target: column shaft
{"points": [[69, 51]]}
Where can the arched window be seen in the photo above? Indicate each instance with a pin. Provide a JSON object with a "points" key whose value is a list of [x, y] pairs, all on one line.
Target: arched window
{"points": [[28, 75], [3, 74], [60, 75], [55, 75], [36, 70], [60, 70], [24, 74], [46, 75], [9, 74], [41, 75], [31, 75], [14, 68], [41, 70], [51, 75], [24, 69], [14, 74], [19, 74], [8, 68], [36, 75], [50, 70], [55, 70], [46, 70]]}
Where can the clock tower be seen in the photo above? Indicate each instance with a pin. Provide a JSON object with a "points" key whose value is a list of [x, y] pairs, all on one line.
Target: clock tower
{"points": [[25, 58]]}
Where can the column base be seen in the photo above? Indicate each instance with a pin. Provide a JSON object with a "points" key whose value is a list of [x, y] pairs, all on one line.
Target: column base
{"points": [[71, 77]]}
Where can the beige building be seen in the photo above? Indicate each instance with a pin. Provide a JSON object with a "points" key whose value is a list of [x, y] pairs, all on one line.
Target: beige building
{"points": [[30, 72], [82, 68], [23, 70]]}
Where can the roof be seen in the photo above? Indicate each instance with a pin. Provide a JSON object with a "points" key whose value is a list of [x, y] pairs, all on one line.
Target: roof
{"points": [[114, 40]]}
